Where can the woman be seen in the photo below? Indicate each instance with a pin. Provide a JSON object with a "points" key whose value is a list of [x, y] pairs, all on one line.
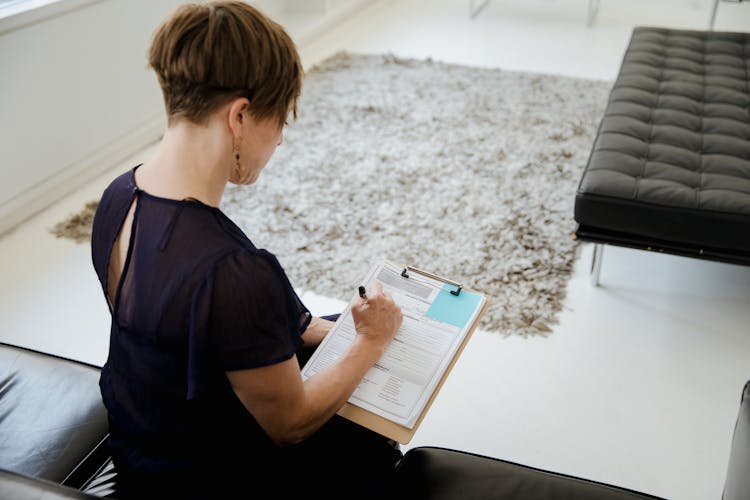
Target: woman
{"points": [[202, 383]]}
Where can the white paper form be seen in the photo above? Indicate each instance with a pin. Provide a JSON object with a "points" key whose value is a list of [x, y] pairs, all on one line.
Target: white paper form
{"points": [[399, 385]]}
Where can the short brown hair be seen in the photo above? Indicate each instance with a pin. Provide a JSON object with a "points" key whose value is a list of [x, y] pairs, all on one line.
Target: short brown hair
{"points": [[205, 55]]}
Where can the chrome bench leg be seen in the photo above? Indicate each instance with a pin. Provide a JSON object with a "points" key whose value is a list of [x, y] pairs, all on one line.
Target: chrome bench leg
{"points": [[713, 15], [474, 9], [596, 263], [592, 11]]}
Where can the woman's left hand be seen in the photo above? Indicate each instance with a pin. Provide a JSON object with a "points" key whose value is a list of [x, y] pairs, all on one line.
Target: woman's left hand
{"points": [[316, 331]]}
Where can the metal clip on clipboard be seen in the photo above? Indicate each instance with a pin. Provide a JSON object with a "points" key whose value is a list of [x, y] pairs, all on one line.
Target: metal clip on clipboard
{"points": [[407, 269]]}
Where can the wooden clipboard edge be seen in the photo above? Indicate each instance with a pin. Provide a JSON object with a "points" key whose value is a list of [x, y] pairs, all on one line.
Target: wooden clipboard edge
{"points": [[397, 432]]}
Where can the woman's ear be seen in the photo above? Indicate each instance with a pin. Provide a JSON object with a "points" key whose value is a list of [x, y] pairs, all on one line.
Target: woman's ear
{"points": [[239, 113]]}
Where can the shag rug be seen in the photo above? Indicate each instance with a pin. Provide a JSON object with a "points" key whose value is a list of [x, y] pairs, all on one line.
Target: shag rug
{"points": [[465, 172]]}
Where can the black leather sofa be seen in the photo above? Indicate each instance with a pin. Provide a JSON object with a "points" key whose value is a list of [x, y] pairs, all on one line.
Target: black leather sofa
{"points": [[53, 431], [669, 170], [53, 427]]}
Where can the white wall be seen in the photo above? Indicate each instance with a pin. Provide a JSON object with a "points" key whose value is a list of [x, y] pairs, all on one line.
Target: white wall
{"points": [[75, 98]]}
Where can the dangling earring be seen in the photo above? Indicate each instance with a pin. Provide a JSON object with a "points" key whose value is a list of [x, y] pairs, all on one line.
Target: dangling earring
{"points": [[237, 158]]}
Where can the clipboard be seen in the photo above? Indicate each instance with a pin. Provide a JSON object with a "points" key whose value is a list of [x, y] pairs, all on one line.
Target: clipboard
{"points": [[389, 428]]}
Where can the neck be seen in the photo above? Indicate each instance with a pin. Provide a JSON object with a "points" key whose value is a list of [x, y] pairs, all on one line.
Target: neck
{"points": [[191, 161]]}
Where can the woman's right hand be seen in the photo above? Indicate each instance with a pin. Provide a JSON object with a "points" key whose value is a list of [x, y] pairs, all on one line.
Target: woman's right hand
{"points": [[377, 318]]}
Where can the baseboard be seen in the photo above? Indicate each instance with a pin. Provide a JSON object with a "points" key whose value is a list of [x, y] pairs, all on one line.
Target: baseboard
{"points": [[50, 190]]}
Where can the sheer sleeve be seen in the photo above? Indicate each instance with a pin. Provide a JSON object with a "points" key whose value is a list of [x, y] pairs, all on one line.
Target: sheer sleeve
{"points": [[256, 318]]}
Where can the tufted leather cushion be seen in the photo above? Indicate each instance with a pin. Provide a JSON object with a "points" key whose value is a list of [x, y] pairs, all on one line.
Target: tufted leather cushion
{"points": [[51, 413], [671, 160], [432, 473]]}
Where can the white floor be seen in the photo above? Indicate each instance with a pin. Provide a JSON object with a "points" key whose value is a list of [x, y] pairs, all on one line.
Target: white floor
{"points": [[638, 385]]}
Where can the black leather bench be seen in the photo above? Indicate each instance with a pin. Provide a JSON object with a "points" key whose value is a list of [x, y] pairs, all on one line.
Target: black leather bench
{"points": [[669, 170]]}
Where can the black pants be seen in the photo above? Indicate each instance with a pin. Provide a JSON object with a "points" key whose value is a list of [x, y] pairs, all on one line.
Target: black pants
{"points": [[361, 460], [344, 460]]}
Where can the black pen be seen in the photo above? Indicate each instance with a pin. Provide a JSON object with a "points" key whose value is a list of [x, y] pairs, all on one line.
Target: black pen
{"points": [[362, 293]]}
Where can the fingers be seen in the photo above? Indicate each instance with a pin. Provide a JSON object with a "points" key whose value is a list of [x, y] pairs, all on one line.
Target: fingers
{"points": [[381, 302], [369, 298], [378, 294], [376, 299], [377, 316]]}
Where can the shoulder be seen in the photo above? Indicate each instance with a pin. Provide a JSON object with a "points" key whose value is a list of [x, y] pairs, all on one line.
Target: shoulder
{"points": [[247, 266], [118, 192], [251, 278], [114, 203]]}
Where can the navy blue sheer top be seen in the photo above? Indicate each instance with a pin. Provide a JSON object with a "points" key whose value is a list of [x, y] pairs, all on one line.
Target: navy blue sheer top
{"points": [[196, 299]]}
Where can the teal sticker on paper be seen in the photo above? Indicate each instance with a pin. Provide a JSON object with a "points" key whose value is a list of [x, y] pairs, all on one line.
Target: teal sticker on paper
{"points": [[452, 309]]}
